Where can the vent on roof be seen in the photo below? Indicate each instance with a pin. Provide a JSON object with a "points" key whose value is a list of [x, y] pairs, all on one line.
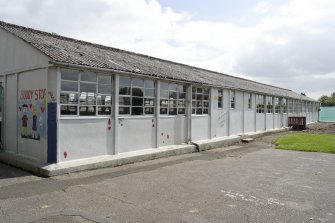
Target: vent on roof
{"points": [[137, 70]]}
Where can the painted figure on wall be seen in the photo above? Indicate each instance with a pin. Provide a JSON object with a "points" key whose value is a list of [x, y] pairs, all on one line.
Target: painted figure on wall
{"points": [[32, 114], [24, 120]]}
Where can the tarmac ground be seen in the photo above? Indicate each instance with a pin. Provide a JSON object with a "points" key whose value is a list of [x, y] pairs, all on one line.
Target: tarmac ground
{"points": [[243, 183]]}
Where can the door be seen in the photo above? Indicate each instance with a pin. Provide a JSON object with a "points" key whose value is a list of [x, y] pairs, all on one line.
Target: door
{"points": [[1, 115]]}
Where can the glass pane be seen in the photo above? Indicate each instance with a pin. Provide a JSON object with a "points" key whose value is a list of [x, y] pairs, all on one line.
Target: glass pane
{"points": [[206, 97], [181, 88], [181, 103], [194, 96], [69, 86], [68, 98], [206, 90], [88, 76], [124, 110], [104, 89], [206, 104], [163, 111], [173, 103], [181, 111], [124, 81], [173, 87], [149, 84], [137, 101], [172, 111], [149, 110], [149, 102], [199, 111], [71, 75], [172, 95], [149, 92], [199, 104], [194, 103], [104, 100], [137, 92], [193, 110], [87, 98], [199, 96], [104, 79], [199, 90], [124, 100], [182, 95], [68, 110], [104, 110], [137, 82], [86, 87], [164, 94], [137, 110], [164, 103], [205, 111], [87, 110], [164, 86], [194, 89], [124, 91]]}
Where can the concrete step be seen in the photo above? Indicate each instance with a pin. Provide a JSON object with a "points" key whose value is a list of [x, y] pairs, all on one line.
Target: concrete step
{"points": [[247, 140]]}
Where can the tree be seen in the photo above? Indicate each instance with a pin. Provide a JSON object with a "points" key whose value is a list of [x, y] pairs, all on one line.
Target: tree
{"points": [[327, 100]]}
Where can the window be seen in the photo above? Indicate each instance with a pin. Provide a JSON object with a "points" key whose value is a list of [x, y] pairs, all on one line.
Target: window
{"points": [[250, 101], [172, 98], [296, 106], [290, 106], [232, 99], [259, 103], [136, 96], [220, 98], [276, 104], [269, 104], [200, 100], [85, 93], [284, 105]]}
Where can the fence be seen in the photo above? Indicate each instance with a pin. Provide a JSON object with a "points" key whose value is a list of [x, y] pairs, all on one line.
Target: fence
{"points": [[327, 114]]}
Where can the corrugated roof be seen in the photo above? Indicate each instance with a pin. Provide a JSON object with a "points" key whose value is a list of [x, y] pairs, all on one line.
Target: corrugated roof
{"points": [[71, 51]]}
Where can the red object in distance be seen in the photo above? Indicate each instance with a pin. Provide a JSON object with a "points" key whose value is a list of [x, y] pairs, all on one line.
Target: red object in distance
{"points": [[65, 154]]}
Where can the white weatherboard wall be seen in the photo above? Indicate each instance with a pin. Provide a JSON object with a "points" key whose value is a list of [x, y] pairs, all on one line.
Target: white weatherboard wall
{"points": [[11, 113], [200, 127], [85, 137], [33, 83], [260, 122], [269, 121], [173, 130], [236, 115], [136, 133], [15, 54]]}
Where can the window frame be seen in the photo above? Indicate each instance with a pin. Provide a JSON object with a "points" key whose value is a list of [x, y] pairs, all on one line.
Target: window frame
{"points": [[173, 106], [78, 92], [200, 96], [232, 99], [260, 107], [137, 94], [220, 99], [249, 105]]}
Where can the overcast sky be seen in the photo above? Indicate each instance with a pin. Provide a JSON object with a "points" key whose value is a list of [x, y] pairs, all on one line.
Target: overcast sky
{"points": [[287, 43]]}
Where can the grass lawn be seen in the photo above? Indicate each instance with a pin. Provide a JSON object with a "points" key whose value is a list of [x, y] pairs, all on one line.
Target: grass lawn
{"points": [[307, 142]]}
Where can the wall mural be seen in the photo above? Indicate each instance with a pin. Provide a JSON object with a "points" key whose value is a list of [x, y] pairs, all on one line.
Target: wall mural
{"points": [[32, 114]]}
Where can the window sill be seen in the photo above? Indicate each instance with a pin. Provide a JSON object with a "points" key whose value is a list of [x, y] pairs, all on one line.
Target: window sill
{"points": [[73, 117]]}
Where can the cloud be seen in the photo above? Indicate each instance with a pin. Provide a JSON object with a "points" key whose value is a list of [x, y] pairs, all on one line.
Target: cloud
{"points": [[290, 46]]}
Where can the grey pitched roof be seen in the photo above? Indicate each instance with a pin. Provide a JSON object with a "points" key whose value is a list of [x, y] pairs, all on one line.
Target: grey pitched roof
{"points": [[71, 51]]}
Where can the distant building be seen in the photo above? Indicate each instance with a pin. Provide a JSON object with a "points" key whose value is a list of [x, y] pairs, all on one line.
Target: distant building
{"points": [[66, 99]]}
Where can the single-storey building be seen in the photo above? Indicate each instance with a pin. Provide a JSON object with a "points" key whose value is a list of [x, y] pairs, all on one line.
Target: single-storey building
{"points": [[64, 99]]}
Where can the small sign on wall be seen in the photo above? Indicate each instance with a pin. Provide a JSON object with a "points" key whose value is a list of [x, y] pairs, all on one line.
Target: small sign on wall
{"points": [[215, 97]]}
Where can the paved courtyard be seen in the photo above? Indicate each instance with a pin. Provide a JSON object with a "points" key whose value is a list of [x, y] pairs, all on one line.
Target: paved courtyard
{"points": [[243, 183]]}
